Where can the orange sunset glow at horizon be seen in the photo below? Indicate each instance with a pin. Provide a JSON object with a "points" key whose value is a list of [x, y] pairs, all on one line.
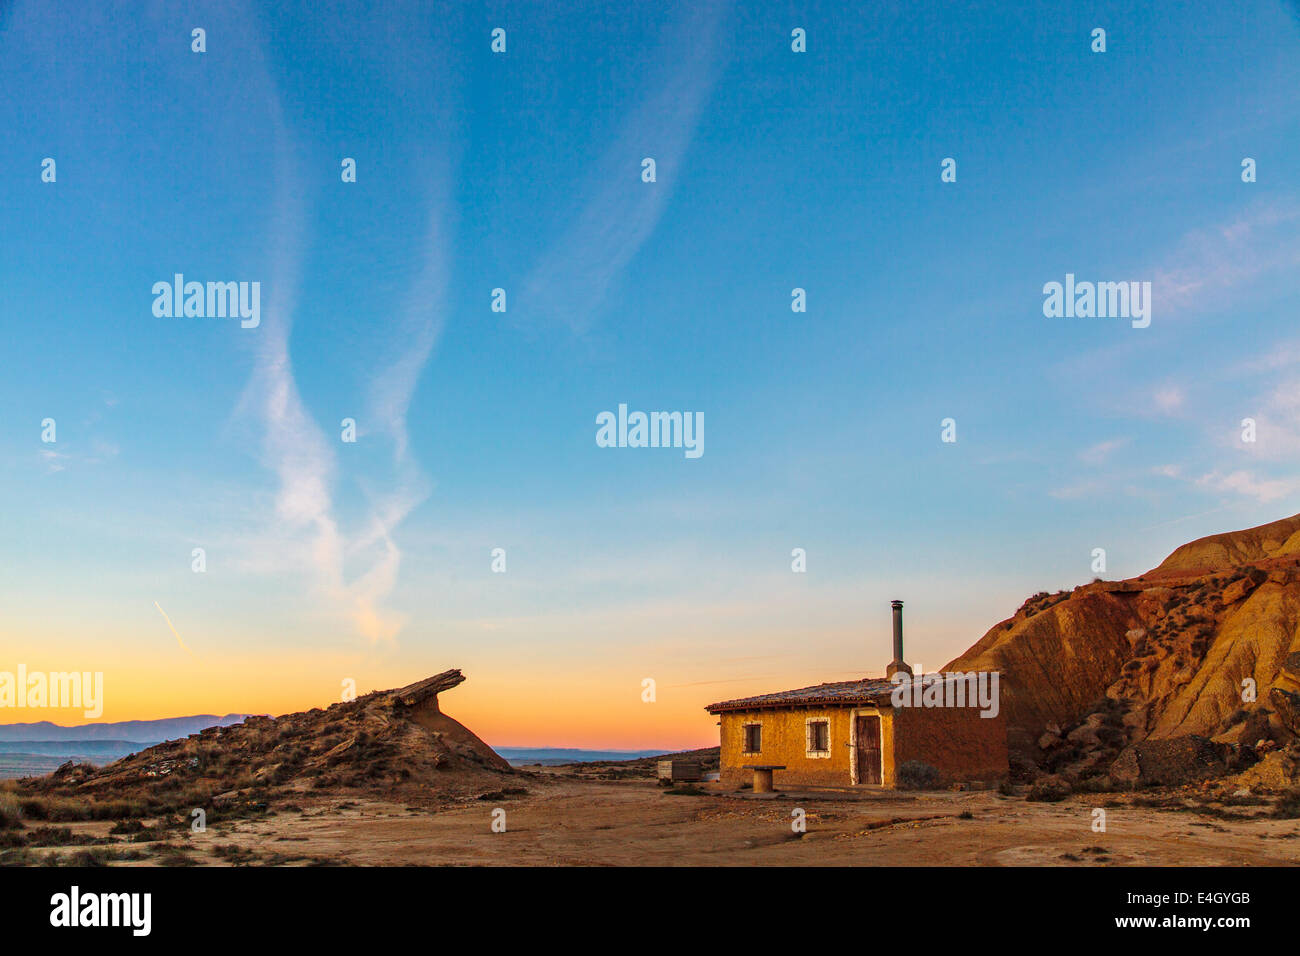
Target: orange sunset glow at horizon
{"points": [[544, 696]]}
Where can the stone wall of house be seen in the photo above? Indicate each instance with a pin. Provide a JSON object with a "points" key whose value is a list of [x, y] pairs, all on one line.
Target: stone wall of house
{"points": [[963, 746], [784, 743], [956, 741]]}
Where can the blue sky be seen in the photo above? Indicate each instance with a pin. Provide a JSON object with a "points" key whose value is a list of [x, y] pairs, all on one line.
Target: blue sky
{"points": [[522, 170]]}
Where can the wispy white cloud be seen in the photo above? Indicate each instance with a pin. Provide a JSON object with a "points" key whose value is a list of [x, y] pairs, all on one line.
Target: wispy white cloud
{"points": [[55, 461], [1272, 451], [293, 445], [1169, 398], [1207, 264], [1101, 452], [1250, 485], [1277, 424], [416, 333], [1280, 355], [417, 330], [618, 211], [1082, 489], [307, 531]]}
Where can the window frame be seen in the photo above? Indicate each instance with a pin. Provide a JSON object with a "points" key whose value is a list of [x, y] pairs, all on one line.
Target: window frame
{"points": [[757, 725], [810, 751]]}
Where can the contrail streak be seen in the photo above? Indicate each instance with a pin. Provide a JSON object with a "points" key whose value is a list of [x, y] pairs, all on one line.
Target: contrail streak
{"points": [[173, 629]]}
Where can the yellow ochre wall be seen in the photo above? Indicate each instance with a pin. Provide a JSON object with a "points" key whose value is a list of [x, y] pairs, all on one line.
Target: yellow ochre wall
{"points": [[784, 744], [959, 743]]}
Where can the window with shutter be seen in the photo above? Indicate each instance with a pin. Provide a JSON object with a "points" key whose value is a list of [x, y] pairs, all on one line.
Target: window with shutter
{"points": [[818, 738]]}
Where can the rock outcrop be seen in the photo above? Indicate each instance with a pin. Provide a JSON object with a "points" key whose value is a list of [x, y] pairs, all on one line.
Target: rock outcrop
{"points": [[1206, 645], [1168, 763], [387, 741]]}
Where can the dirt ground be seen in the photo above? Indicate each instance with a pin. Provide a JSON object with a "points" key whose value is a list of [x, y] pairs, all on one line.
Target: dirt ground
{"points": [[566, 821]]}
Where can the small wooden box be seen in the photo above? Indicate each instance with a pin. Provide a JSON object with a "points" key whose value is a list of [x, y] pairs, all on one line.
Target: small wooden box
{"points": [[679, 770]]}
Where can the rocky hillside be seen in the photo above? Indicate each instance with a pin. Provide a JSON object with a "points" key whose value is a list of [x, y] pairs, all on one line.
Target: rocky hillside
{"points": [[1169, 654], [398, 741]]}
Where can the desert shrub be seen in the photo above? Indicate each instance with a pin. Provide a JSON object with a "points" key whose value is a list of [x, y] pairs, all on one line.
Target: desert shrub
{"points": [[116, 809], [65, 810], [1288, 806], [915, 775], [98, 856], [1030, 608], [52, 836], [1006, 788], [168, 854], [234, 853], [87, 858], [282, 774], [10, 812], [34, 808], [293, 753], [185, 799], [63, 836], [1048, 790]]}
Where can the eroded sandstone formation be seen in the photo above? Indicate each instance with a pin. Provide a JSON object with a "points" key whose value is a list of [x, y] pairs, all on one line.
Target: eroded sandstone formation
{"points": [[1207, 646]]}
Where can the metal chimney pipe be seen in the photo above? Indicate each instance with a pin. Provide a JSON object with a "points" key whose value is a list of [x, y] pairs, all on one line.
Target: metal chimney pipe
{"points": [[897, 664]]}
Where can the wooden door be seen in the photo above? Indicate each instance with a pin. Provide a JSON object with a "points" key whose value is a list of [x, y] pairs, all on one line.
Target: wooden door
{"points": [[868, 749]]}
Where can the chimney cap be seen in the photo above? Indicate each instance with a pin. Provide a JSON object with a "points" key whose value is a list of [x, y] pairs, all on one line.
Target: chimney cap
{"points": [[895, 603]]}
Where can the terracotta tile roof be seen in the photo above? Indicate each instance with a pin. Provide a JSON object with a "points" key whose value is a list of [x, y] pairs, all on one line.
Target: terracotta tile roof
{"points": [[867, 690]]}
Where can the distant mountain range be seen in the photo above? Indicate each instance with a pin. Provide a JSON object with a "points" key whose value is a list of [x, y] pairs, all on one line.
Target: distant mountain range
{"points": [[96, 750], [519, 756], [38, 748], [21, 758], [137, 731]]}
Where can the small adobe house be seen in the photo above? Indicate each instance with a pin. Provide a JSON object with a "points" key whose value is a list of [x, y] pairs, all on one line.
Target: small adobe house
{"points": [[859, 732]]}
